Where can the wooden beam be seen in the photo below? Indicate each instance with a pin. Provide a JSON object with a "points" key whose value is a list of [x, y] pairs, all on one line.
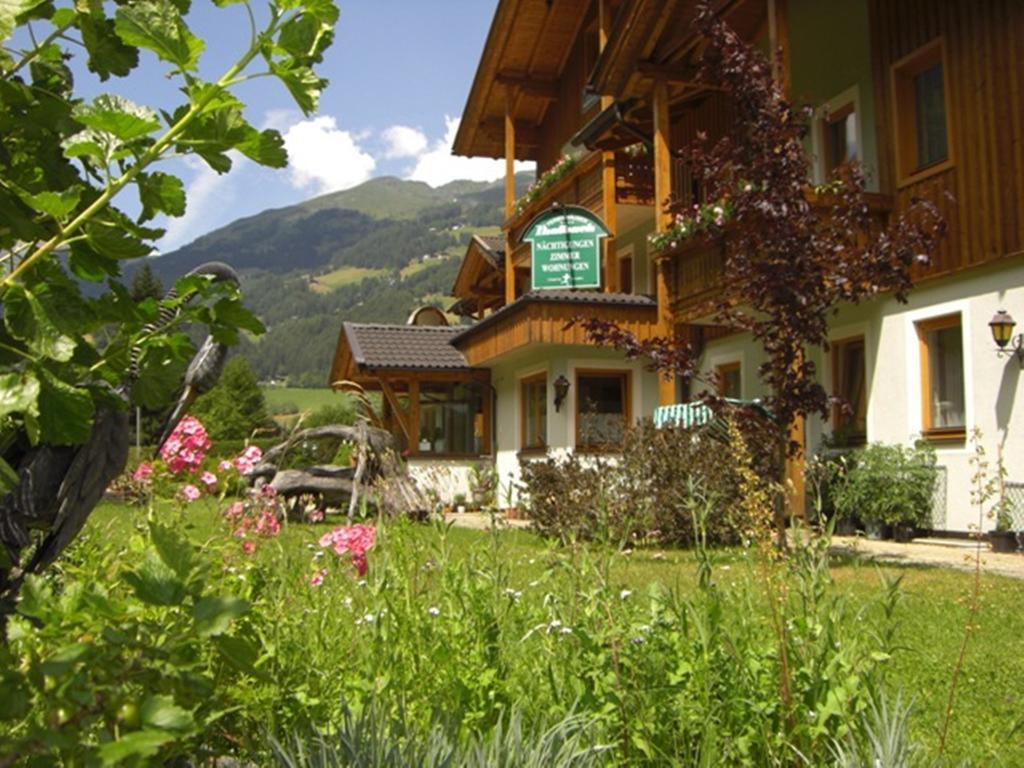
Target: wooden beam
{"points": [[778, 40], [608, 202], [674, 74], [545, 88], [510, 194], [396, 408], [414, 417], [527, 134], [662, 222]]}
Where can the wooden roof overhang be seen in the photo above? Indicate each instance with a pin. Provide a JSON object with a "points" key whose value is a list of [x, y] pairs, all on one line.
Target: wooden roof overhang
{"points": [[525, 54], [656, 39], [545, 317], [480, 283], [399, 354]]}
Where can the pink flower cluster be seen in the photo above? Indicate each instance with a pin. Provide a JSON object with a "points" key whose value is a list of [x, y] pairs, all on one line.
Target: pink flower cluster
{"points": [[186, 447], [353, 539], [257, 517], [248, 459]]}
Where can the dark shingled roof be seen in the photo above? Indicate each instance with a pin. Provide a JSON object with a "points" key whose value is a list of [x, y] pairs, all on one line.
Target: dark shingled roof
{"points": [[495, 247], [404, 346], [593, 298]]}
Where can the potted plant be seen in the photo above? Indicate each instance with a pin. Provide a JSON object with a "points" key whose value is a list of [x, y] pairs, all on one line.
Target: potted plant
{"points": [[1003, 539], [889, 487]]}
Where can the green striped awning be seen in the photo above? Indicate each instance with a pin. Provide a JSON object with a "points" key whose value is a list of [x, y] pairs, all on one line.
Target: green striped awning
{"points": [[689, 415]]}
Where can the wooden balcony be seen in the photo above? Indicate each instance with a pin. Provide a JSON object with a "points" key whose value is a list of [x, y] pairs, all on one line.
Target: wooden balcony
{"points": [[696, 268], [580, 186]]}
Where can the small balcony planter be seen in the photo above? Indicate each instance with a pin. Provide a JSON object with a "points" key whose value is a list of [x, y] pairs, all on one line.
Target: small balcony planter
{"points": [[1003, 541]]}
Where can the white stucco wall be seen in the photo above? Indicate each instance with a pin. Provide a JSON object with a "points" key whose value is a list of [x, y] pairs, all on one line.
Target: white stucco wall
{"points": [[447, 478], [554, 361], [994, 396]]}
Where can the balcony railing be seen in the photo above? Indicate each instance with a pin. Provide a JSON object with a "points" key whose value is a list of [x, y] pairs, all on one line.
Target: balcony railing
{"points": [[696, 268]]}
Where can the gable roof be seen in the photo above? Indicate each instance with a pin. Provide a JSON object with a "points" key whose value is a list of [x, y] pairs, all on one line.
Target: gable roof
{"points": [[403, 346]]}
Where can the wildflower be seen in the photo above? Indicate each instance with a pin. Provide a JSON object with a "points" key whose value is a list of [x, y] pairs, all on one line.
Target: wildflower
{"points": [[248, 546], [637, 640], [225, 466], [318, 578], [625, 593], [190, 492], [235, 511], [353, 539], [142, 472], [553, 626], [434, 610], [565, 631], [208, 479]]}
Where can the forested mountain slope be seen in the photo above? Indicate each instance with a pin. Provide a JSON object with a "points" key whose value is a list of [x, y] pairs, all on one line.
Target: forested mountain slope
{"points": [[367, 254]]}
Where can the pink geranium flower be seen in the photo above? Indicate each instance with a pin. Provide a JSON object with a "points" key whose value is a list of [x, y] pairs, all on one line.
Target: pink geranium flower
{"points": [[208, 479], [353, 539], [248, 546], [225, 466], [143, 472], [190, 492], [187, 446], [318, 578]]}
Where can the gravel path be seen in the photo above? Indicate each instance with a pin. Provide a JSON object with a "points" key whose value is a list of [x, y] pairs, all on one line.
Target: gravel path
{"points": [[942, 553], [952, 553]]}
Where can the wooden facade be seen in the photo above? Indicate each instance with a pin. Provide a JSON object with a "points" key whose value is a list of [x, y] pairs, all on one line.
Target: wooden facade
{"points": [[547, 322], [981, 190]]}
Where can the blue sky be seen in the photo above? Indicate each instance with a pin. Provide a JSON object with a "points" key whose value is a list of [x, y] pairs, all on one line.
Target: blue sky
{"points": [[399, 72]]}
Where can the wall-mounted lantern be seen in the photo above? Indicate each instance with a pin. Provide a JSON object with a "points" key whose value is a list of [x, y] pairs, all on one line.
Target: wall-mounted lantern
{"points": [[561, 387], [1002, 325]]}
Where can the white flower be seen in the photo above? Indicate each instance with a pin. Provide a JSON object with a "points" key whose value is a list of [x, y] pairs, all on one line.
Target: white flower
{"points": [[565, 631], [625, 593], [434, 610], [555, 624]]}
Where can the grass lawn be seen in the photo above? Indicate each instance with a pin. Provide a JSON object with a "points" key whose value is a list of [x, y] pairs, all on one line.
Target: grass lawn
{"points": [[303, 399], [345, 276], [929, 627]]}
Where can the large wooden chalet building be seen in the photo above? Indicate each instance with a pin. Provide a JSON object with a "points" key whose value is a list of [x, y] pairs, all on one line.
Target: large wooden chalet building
{"points": [[927, 95]]}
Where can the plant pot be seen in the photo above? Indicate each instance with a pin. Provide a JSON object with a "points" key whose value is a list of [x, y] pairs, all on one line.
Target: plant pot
{"points": [[877, 531], [1003, 541], [904, 533], [846, 526]]}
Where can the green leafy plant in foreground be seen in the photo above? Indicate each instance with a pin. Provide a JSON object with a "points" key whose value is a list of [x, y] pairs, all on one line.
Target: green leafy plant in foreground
{"points": [[112, 664], [66, 159]]}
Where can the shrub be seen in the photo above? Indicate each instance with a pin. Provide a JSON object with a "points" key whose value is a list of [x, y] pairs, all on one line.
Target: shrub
{"points": [[649, 492], [887, 484]]}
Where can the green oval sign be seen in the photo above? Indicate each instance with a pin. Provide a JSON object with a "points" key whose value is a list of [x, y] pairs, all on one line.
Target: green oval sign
{"points": [[565, 247]]}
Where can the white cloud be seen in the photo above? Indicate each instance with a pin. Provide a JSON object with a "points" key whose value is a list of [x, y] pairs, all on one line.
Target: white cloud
{"points": [[438, 165], [403, 141], [204, 189], [323, 156]]}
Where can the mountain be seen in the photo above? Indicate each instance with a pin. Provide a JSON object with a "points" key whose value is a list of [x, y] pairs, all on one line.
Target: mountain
{"points": [[367, 254]]}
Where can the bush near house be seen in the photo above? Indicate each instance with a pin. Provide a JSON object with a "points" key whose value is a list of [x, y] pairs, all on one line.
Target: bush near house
{"points": [[886, 484], [648, 492]]}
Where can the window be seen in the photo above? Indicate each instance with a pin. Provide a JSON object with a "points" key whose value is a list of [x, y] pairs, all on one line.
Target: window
{"points": [[626, 274], [602, 409], [452, 419], [533, 404], [942, 378], [921, 108], [849, 365], [839, 138], [729, 381]]}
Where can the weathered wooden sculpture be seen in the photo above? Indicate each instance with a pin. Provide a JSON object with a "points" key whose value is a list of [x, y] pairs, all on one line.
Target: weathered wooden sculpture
{"points": [[59, 485], [378, 476]]}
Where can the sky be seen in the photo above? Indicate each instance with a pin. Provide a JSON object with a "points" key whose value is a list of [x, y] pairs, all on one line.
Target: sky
{"points": [[399, 72]]}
